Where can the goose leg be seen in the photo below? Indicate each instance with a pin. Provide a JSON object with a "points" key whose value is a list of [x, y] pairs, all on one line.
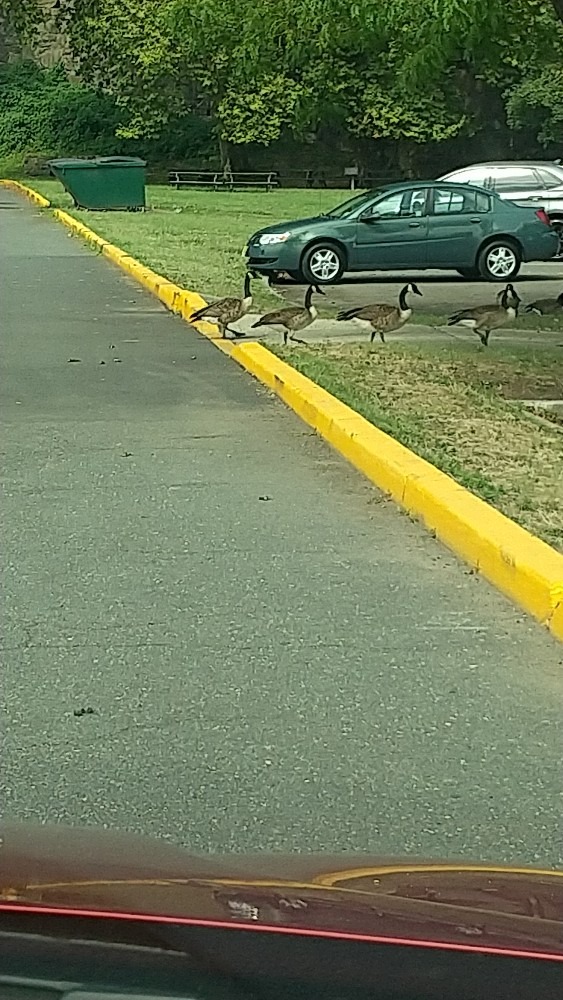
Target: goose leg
{"points": [[236, 333], [484, 337], [296, 340], [285, 338], [382, 336], [372, 338]]}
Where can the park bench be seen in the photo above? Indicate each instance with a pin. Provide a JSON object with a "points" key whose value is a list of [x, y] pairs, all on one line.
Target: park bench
{"points": [[218, 180]]}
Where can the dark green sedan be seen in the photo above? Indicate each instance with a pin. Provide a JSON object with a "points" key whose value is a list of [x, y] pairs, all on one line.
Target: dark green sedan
{"points": [[410, 225]]}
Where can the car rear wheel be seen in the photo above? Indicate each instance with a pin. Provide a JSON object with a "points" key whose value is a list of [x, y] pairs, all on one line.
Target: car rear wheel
{"points": [[323, 264], [558, 226], [499, 261]]}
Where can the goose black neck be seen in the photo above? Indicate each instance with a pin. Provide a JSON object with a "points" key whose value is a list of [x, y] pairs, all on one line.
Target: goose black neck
{"points": [[246, 285], [308, 297], [403, 297]]}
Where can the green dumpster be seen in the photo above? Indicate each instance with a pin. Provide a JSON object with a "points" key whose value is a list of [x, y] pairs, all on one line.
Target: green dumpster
{"points": [[103, 183]]}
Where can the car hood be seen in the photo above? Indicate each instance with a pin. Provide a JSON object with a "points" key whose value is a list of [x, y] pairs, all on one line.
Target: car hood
{"points": [[458, 903], [296, 225]]}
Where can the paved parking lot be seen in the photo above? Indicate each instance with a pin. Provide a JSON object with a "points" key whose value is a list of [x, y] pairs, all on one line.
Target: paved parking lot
{"points": [[443, 291]]}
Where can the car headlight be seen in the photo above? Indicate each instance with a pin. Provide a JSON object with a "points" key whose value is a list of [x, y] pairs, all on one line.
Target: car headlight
{"points": [[268, 238]]}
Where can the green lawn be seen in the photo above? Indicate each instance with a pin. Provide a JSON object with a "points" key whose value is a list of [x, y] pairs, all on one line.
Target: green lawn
{"points": [[456, 407]]}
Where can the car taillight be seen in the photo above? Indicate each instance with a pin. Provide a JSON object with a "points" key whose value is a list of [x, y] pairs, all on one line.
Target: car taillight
{"points": [[543, 216]]}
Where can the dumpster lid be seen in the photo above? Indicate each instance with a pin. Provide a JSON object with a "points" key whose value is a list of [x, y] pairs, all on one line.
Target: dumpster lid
{"points": [[79, 162], [135, 161]]}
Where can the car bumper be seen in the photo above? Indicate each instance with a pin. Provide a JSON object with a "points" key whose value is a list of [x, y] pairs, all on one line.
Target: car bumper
{"points": [[542, 247], [276, 257]]}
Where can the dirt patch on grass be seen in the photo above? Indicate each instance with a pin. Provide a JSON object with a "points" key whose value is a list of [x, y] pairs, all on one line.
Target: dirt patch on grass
{"points": [[520, 380], [455, 408]]}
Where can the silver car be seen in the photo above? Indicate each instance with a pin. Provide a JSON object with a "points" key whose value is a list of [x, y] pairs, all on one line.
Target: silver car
{"points": [[527, 181]]}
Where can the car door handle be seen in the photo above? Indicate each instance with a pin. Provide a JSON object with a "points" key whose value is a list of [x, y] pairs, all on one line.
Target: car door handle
{"points": [[414, 225], [475, 219]]}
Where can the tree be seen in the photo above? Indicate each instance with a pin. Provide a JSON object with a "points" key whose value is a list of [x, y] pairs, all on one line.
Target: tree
{"points": [[494, 52], [412, 73]]}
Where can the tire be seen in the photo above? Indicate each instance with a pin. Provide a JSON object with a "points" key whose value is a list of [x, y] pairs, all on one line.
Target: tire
{"points": [[499, 261], [558, 226], [323, 264], [469, 273]]}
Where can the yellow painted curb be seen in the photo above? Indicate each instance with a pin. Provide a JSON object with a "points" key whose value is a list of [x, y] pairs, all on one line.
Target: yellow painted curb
{"points": [[27, 191], [519, 564]]}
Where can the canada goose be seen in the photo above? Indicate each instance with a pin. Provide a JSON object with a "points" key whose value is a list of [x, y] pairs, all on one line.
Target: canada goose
{"points": [[228, 310], [293, 318], [546, 307], [483, 319], [381, 317]]}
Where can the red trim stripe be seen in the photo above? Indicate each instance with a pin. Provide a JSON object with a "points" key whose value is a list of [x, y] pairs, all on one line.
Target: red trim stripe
{"points": [[272, 929]]}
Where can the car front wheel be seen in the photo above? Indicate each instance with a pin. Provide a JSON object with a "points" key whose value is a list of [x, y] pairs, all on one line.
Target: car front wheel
{"points": [[499, 261], [323, 264]]}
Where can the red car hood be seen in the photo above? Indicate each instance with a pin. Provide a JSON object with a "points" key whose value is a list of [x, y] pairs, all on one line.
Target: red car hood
{"points": [[86, 870]]}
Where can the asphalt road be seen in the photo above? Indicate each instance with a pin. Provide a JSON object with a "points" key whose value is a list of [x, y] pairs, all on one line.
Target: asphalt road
{"points": [[274, 656], [443, 292]]}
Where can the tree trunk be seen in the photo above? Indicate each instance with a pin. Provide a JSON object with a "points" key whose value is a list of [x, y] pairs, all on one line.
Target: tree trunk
{"points": [[406, 156], [224, 153], [558, 8]]}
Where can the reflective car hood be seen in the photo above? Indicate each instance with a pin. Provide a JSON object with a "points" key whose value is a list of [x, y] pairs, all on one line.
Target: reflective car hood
{"points": [[460, 904], [296, 225]]}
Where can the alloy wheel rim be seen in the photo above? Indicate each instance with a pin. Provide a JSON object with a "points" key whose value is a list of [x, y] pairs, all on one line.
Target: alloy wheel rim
{"points": [[324, 264], [501, 262]]}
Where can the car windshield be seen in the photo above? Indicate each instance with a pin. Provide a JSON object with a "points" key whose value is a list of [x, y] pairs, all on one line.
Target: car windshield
{"points": [[282, 472], [349, 208]]}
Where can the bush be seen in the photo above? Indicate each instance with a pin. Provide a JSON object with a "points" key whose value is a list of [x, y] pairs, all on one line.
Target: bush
{"points": [[43, 114]]}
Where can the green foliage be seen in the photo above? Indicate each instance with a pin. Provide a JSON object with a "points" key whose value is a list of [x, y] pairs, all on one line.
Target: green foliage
{"points": [[43, 113], [124, 47], [536, 104], [399, 70], [259, 114], [384, 114], [19, 21]]}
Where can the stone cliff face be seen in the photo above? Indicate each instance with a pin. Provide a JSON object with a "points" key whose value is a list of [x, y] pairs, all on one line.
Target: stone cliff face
{"points": [[50, 47]]}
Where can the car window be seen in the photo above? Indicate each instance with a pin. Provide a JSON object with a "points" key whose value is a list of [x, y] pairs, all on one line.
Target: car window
{"points": [[353, 205], [549, 179], [473, 176], [401, 204], [514, 180], [450, 201]]}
